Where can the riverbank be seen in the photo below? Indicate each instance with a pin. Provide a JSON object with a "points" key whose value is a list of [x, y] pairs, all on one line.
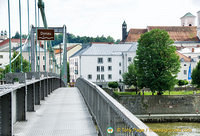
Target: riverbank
{"points": [[176, 129], [160, 118]]}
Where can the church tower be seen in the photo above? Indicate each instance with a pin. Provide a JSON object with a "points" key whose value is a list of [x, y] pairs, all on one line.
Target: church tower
{"points": [[124, 31], [188, 20]]}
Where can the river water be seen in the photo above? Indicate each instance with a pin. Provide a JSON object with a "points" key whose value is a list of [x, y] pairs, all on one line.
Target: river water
{"points": [[175, 129]]}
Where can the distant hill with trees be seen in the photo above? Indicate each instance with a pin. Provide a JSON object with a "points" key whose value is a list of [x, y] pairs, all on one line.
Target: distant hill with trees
{"points": [[76, 39]]}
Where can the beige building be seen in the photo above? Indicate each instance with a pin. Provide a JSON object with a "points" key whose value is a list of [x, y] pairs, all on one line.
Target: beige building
{"points": [[71, 50]]}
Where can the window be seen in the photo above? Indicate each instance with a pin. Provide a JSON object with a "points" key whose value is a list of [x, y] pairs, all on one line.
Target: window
{"points": [[185, 64], [109, 68], [120, 64], [98, 77], [120, 72], [89, 76], [76, 72], [102, 68], [120, 80], [38, 57], [109, 76], [98, 68], [189, 57], [43, 67], [43, 57], [0, 64], [102, 77], [1, 56], [129, 59], [185, 72], [199, 57], [182, 59], [109, 59], [100, 60]]}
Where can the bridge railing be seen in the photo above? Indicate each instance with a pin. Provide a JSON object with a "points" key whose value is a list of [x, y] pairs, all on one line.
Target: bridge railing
{"points": [[108, 113], [16, 99]]}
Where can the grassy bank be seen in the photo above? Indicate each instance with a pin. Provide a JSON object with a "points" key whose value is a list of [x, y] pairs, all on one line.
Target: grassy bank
{"points": [[165, 93]]}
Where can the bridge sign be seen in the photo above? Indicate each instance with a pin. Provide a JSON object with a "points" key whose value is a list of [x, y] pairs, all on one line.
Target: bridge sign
{"points": [[45, 34]]}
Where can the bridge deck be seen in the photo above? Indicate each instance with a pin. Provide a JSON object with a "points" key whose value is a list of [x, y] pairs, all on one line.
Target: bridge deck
{"points": [[63, 113]]}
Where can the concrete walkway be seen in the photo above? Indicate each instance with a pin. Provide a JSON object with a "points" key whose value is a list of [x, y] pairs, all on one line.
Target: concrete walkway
{"points": [[63, 113]]}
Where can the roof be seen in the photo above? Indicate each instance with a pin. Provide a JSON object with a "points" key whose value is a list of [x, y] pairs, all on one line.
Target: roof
{"points": [[12, 40], [68, 48], [134, 34], [176, 33], [181, 56], [107, 49], [188, 15], [124, 23]]}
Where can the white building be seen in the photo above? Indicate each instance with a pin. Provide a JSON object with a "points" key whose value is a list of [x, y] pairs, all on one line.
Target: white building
{"points": [[102, 63], [4, 53], [186, 62]]}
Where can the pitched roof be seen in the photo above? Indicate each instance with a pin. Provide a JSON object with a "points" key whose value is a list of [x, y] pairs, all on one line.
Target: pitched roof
{"points": [[107, 49], [188, 15], [134, 34], [185, 58], [12, 40], [176, 33], [68, 48]]}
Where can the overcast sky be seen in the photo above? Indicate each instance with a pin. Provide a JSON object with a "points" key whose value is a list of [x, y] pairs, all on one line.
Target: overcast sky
{"points": [[100, 17]]}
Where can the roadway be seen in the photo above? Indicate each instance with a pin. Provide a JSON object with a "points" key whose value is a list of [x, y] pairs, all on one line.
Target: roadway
{"points": [[63, 113]]}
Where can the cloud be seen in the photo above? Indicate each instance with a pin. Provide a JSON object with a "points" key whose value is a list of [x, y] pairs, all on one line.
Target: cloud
{"points": [[196, 2]]}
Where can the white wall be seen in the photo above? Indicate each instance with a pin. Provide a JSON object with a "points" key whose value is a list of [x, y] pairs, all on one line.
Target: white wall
{"points": [[87, 65], [5, 59], [185, 66]]}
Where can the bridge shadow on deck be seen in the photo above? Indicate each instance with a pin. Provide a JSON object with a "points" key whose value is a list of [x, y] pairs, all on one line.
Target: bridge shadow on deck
{"points": [[63, 113]]}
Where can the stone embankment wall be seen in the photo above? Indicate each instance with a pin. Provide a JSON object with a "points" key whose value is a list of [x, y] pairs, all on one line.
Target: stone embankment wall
{"points": [[179, 104]]}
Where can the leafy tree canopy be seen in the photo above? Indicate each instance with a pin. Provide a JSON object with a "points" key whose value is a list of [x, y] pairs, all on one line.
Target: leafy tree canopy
{"points": [[16, 65], [196, 75], [130, 77], [182, 82], [156, 61], [113, 84], [81, 39]]}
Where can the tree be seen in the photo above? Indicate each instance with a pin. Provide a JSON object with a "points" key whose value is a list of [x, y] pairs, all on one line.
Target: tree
{"points": [[156, 61], [196, 75], [130, 77], [17, 36], [113, 85], [16, 65], [182, 82]]}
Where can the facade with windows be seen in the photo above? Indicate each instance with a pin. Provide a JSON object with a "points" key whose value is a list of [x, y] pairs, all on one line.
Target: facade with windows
{"points": [[186, 63], [102, 63]]}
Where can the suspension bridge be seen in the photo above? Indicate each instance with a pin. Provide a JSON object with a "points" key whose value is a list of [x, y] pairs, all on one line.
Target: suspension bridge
{"points": [[41, 104]]}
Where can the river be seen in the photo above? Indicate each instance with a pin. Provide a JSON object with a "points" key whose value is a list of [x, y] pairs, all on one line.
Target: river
{"points": [[179, 128]]}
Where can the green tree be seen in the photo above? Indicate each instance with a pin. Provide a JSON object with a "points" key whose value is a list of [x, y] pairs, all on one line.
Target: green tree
{"points": [[17, 36], [196, 75], [113, 85], [130, 77], [156, 61], [16, 65], [182, 82]]}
